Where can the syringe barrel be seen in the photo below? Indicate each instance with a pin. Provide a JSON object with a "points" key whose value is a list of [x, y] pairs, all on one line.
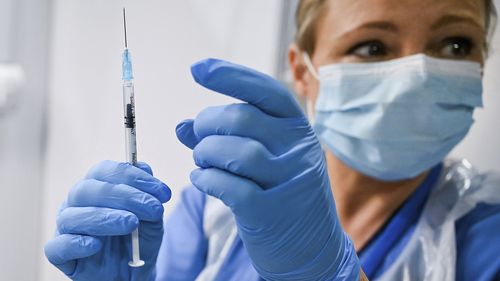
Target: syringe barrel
{"points": [[129, 122]]}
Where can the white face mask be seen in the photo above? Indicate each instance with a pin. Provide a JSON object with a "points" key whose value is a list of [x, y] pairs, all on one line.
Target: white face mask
{"points": [[394, 120]]}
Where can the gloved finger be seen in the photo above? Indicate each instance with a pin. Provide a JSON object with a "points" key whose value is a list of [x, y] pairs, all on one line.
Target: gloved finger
{"points": [[247, 85], [245, 120], [150, 237], [145, 167], [234, 191], [96, 221], [185, 133], [243, 157], [128, 174], [63, 206], [63, 250], [94, 193]]}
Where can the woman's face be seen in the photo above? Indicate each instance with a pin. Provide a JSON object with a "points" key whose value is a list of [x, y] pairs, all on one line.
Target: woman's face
{"points": [[377, 30]]}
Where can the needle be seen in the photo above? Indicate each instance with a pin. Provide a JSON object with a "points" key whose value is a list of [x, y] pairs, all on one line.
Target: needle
{"points": [[125, 27]]}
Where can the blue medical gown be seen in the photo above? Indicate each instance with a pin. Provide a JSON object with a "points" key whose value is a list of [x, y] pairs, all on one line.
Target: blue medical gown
{"points": [[184, 250]]}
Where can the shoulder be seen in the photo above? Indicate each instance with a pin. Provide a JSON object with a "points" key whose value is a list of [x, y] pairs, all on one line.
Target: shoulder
{"points": [[192, 196], [192, 193], [189, 208], [478, 233], [192, 202], [184, 238]]}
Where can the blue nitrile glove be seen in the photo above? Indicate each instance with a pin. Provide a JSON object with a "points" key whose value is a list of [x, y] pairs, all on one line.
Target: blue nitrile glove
{"points": [[263, 160], [92, 240]]}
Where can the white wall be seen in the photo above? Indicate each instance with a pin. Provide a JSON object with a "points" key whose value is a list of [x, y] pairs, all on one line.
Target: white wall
{"points": [[165, 38], [23, 39], [482, 145]]}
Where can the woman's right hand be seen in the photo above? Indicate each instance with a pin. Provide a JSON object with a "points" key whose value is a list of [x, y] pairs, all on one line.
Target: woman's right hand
{"points": [[92, 240], [262, 159]]}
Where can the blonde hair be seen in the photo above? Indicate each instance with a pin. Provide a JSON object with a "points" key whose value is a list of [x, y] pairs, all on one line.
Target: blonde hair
{"points": [[310, 11]]}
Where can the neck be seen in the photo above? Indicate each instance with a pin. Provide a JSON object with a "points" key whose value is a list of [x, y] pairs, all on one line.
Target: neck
{"points": [[365, 204]]}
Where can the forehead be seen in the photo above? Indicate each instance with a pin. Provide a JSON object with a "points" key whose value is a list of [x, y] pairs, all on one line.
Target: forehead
{"points": [[351, 12]]}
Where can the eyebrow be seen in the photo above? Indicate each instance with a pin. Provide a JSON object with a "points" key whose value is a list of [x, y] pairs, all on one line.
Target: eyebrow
{"points": [[382, 25], [451, 19], [391, 27]]}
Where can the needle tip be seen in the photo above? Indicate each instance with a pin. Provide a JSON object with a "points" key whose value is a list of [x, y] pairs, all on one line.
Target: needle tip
{"points": [[125, 27]]}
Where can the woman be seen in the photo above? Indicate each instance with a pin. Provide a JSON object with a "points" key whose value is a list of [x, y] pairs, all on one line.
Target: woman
{"points": [[374, 31], [392, 96]]}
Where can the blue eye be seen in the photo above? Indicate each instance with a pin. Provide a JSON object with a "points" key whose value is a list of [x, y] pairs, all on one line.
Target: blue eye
{"points": [[371, 49], [457, 47]]}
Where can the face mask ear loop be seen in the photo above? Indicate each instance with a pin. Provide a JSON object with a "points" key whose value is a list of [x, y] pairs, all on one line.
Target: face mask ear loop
{"points": [[310, 112], [309, 65], [309, 104]]}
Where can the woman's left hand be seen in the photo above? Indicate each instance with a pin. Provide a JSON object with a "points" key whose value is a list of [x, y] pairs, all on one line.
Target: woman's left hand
{"points": [[263, 160]]}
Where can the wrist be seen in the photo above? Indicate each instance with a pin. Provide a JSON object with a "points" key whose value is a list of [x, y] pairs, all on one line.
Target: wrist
{"points": [[337, 261], [349, 267], [146, 272]]}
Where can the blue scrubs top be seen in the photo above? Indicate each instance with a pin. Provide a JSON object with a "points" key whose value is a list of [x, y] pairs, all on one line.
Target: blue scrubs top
{"points": [[183, 254]]}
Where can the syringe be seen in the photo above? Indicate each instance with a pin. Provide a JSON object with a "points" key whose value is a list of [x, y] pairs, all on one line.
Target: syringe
{"points": [[130, 133]]}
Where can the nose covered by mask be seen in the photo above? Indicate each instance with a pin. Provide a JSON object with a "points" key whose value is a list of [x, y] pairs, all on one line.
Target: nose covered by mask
{"points": [[394, 120]]}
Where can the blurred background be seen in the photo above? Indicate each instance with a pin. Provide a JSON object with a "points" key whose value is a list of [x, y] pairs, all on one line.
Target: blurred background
{"points": [[61, 99]]}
